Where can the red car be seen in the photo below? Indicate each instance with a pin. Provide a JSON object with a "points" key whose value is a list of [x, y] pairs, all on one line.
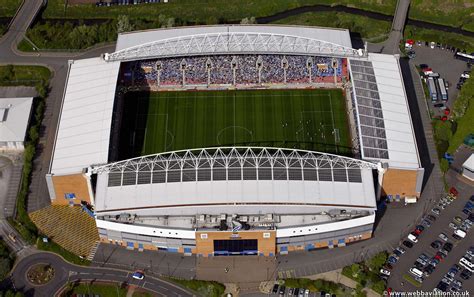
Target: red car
{"points": [[444, 118], [453, 191], [438, 257], [447, 111], [417, 231]]}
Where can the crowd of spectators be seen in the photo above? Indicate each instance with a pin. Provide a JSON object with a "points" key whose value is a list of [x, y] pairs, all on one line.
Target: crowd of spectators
{"points": [[234, 70]]}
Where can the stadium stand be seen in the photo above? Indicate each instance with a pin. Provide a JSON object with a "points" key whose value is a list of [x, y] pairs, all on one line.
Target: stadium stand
{"points": [[233, 70]]}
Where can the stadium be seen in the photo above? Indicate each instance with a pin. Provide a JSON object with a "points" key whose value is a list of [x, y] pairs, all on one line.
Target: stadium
{"points": [[234, 140]]}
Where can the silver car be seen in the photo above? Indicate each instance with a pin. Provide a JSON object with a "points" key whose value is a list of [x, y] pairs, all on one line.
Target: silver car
{"points": [[443, 236]]}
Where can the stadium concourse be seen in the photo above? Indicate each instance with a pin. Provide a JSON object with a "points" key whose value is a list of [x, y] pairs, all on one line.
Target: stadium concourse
{"points": [[263, 192]]}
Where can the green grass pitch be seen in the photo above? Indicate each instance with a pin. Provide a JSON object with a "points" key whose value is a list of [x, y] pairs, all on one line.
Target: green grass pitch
{"points": [[304, 119]]}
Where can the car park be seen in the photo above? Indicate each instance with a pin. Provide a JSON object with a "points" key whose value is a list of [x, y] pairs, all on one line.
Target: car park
{"points": [[416, 272], [296, 291], [434, 262], [443, 236], [459, 234], [431, 217], [442, 286], [466, 211], [452, 225], [457, 220], [436, 211], [392, 260], [291, 291]]}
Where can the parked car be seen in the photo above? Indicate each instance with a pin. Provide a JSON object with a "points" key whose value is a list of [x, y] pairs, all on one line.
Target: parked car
{"points": [[448, 246], [282, 290], [423, 66], [439, 105], [428, 270], [443, 236], [465, 274], [275, 288], [431, 217], [457, 220], [401, 250], [411, 54], [436, 244], [452, 225], [407, 243], [413, 237], [432, 45], [385, 272], [436, 211], [426, 223]]}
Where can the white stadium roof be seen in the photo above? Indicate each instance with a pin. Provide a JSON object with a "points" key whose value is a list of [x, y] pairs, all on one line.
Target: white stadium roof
{"points": [[14, 118], [385, 127], [233, 39], [235, 176], [86, 115]]}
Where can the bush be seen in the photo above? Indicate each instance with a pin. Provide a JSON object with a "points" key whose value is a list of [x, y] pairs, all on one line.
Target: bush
{"points": [[444, 165]]}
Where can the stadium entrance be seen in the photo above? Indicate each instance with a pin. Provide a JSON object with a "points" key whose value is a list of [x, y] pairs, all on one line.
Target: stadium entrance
{"points": [[235, 247], [242, 243]]}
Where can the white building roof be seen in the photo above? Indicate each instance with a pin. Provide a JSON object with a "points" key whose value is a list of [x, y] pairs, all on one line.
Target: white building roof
{"points": [[235, 176], [233, 39], [84, 126], [385, 126], [332, 35], [14, 118], [469, 164]]}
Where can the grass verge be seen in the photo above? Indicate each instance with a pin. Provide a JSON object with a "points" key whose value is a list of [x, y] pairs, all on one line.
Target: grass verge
{"points": [[366, 27], [203, 288], [21, 75], [203, 11], [409, 279], [51, 246], [8, 8], [95, 289], [25, 46]]}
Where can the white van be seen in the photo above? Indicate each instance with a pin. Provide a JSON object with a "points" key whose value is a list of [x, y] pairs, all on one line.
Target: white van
{"points": [[412, 238], [466, 264], [460, 233], [416, 272]]}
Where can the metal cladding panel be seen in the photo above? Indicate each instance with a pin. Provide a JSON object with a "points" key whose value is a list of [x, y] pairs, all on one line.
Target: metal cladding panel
{"points": [[400, 149], [84, 126], [337, 36]]}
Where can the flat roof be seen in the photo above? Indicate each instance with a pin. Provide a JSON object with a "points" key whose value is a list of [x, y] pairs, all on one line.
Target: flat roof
{"points": [[14, 118], [333, 35], [385, 125], [83, 131], [469, 164]]}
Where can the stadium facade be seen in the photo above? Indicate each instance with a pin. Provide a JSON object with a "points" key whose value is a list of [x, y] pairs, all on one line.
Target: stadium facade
{"points": [[235, 200]]}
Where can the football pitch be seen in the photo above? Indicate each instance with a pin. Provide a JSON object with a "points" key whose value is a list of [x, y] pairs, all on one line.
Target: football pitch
{"points": [[167, 121]]}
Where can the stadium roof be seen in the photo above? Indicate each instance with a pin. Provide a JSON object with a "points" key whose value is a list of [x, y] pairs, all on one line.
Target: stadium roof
{"points": [[235, 176], [385, 127], [86, 115], [14, 118], [233, 39]]}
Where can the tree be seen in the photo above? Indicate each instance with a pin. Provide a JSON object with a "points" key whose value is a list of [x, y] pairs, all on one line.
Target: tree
{"points": [[8, 73], [247, 21], [123, 24], [444, 165], [377, 261], [5, 266], [355, 269]]}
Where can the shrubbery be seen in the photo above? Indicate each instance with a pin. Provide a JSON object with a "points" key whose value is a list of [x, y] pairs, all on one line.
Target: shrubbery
{"points": [[366, 273]]}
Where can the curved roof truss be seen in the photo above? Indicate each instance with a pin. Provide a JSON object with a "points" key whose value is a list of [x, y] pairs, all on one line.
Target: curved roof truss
{"points": [[228, 157], [232, 43]]}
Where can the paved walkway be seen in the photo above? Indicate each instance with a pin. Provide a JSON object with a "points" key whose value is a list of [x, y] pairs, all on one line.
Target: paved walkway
{"points": [[336, 276]]}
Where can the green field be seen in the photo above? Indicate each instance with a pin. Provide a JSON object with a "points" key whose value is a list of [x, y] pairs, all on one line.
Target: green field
{"points": [[167, 121]]}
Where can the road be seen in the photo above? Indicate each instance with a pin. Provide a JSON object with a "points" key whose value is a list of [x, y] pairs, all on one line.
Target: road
{"points": [[390, 46], [66, 272]]}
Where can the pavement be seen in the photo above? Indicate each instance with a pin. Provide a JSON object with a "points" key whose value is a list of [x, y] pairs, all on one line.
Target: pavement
{"points": [[66, 272]]}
